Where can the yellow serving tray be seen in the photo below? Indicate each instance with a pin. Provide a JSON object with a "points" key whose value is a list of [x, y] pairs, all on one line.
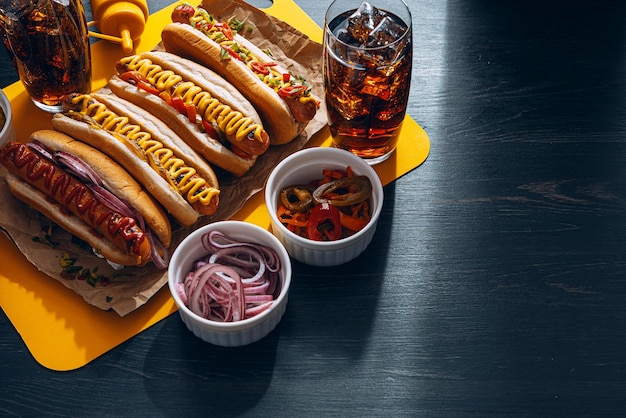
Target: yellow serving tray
{"points": [[61, 331]]}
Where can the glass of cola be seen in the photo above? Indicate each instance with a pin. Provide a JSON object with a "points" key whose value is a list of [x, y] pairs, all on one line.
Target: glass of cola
{"points": [[367, 75], [48, 42]]}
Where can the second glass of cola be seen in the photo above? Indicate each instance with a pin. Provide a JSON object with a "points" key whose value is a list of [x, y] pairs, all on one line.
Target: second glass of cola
{"points": [[367, 75]]}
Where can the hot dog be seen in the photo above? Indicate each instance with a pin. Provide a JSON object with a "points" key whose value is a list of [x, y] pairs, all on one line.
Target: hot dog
{"points": [[175, 175], [88, 194], [206, 111], [283, 99]]}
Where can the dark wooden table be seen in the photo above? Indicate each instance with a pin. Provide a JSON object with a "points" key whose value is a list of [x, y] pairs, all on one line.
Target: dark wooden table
{"points": [[495, 285]]}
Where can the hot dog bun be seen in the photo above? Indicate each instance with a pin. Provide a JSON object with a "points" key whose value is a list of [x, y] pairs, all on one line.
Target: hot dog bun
{"points": [[285, 117], [173, 173], [71, 223], [225, 111], [120, 235], [115, 178]]}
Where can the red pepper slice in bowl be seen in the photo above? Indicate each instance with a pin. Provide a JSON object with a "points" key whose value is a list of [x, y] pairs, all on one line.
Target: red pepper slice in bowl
{"points": [[324, 223]]}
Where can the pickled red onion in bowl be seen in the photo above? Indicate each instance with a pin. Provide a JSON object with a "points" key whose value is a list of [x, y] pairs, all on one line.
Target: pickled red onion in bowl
{"points": [[238, 323]]}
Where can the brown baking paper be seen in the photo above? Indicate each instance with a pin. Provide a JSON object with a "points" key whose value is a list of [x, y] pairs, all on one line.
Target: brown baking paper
{"points": [[127, 289]]}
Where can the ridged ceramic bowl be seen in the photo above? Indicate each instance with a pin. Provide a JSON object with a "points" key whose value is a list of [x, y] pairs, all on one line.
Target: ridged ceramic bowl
{"points": [[7, 131], [302, 167], [229, 334]]}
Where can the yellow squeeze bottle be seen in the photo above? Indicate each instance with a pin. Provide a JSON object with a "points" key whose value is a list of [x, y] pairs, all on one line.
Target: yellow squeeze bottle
{"points": [[119, 21]]}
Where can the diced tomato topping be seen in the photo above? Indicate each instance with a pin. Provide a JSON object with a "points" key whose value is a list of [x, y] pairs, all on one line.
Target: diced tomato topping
{"points": [[191, 112], [137, 79], [179, 105], [209, 129], [166, 96], [226, 30], [233, 54]]}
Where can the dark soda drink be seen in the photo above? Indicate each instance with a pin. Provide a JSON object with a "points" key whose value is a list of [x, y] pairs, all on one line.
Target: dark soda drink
{"points": [[49, 44], [367, 76]]}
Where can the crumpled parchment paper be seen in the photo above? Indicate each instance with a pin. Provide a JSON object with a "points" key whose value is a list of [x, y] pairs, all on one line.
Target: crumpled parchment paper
{"points": [[123, 291]]}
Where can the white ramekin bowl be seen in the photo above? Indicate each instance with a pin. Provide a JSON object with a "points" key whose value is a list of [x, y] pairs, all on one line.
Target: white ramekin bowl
{"points": [[229, 334], [302, 167], [7, 131]]}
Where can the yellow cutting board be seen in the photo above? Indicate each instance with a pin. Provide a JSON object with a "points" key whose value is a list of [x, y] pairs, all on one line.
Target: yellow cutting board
{"points": [[60, 330]]}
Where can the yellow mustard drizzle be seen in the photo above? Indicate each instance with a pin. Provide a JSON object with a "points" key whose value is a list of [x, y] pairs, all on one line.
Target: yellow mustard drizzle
{"points": [[230, 121], [306, 99], [184, 178]]}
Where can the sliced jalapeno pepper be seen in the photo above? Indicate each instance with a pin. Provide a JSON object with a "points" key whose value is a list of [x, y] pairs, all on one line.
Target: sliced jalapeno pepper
{"points": [[324, 223], [344, 192], [297, 198]]}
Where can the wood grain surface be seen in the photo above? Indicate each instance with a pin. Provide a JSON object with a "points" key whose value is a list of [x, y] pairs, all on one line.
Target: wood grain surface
{"points": [[495, 285]]}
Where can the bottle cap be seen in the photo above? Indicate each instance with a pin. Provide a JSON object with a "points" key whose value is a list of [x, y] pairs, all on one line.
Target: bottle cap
{"points": [[120, 21]]}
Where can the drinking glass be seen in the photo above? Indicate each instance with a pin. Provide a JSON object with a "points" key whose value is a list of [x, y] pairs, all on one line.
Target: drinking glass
{"points": [[367, 63], [49, 45]]}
